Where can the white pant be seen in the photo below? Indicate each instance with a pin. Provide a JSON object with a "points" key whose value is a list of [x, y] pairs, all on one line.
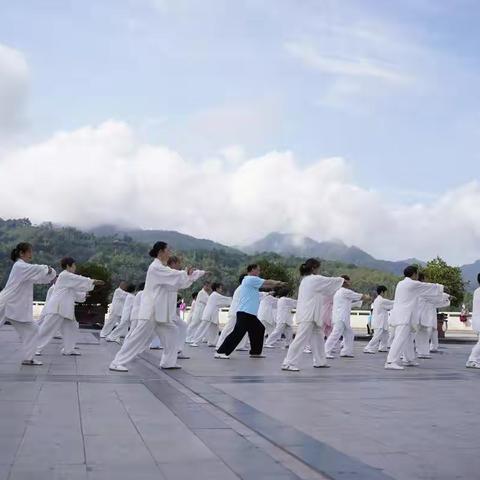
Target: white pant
{"points": [[109, 324], [391, 336], [311, 333], [434, 341], [402, 345], [120, 331], [133, 325], [192, 328], [269, 328], [475, 355], [49, 328], [379, 341], [422, 340], [281, 328], [227, 330], [206, 329], [182, 333], [340, 329], [139, 339], [28, 333]]}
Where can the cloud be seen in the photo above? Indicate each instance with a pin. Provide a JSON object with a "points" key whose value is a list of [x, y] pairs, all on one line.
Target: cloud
{"points": [[103, 174], [14, 77]]}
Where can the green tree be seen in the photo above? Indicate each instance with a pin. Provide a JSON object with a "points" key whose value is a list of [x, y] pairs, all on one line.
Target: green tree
{"points": [[438, 271]]}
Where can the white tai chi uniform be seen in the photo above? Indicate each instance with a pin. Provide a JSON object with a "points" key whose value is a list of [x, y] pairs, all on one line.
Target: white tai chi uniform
{"points": [[309, 319], [59, 310], [404, 318], [284, 321], [427, 320], [122, 328], [232, 320], [16, 302], [380, 306], [208, 328], [157, 314], [267, 312], [47, 298], [135, 312], [474, 358], [342, 309], [115, 314], [197, 313]]}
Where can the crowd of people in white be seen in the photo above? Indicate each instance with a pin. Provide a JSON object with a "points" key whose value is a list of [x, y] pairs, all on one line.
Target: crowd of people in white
{"points": [[260, 314]]}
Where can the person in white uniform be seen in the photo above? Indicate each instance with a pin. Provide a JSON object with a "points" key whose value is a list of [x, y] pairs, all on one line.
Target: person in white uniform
{"points": [[343, 301], [200, 304], [267, 311], [311, 293], [59, 310], [404, 317], [381, 307], [136, 308], [116, 308], [284, 320], [121, 330], [157, 311], [209, 326], [474, 358], [41, 318], [16, 299], [232, 319]]}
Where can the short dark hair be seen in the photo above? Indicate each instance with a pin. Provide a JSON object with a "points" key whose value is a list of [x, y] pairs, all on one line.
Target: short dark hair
{"points": [[130, 288], [207, 282], [157, 248], [252, 266], [66, 262], [345, 277], [22, 247], [241, 277], [421, 277], [141, 286], [410, 271], [216, 286], [309, 266], [173, 259], [478, 278], [194, 295], [381, 289]]}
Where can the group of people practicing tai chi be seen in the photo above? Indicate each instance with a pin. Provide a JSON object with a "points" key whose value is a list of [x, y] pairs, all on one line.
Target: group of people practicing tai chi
{"points": [[259, 308]]}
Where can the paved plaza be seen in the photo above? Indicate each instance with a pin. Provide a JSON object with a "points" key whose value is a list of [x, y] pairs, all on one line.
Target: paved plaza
{"points": [[239, 418]]}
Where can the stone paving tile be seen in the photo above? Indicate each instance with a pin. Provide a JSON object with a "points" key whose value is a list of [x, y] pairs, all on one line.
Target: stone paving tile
{"points": [[197, 470]]}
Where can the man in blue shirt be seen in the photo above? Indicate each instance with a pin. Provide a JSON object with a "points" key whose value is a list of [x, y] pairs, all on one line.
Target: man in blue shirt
{"points": [[247, 321]]}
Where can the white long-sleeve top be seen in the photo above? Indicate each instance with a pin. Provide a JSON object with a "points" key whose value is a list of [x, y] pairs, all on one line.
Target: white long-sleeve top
{"points": [[68, 289], [285, 305], [215, 302], [232, 311], [190, 313], [127, 308], [118, 301], [161, 285], [476, 310], [381, 306], [342, 305], [310, 293], [427, 308], [16, 299], [136, 306], [267, 310], [405, 304], [47, 298], [200, 304]]}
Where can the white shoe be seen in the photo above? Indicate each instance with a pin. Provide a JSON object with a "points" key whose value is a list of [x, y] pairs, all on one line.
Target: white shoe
{"points": [[411, 363], [33, 363], [71, 354], [371, 352], [181, 356], [424, 356], [393, 366], [321, 366], [433, 350], [290, 368], [330, 357], [346, 356], [472, 364], [383, 350], [221, 355], [108, 339], [38, 353], [118, 368], [268, 346], [193, 344], [306, 350]]}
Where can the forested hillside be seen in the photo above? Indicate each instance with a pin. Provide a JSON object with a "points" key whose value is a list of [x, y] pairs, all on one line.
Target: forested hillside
{"points": [[128, 259]]}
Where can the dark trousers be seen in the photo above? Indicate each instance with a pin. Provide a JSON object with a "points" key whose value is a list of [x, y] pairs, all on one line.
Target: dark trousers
{"points": [[246, 323]]}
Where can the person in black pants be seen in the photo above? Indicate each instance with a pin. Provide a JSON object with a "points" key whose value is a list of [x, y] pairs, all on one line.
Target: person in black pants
{"points": [[247, 321]]}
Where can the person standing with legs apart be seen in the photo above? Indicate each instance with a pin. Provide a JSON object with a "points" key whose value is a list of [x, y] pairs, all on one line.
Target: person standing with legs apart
{"points": [[208, 328], [60, 308], [474, 358], [232, 319], [157, 310], [380, 308], [136, 308], [247, 321], [196, 316], [121, 329], [116, 308], [267, 311], [404, 316], [313, 290], [284, 320], [16, 299], [343, 300]]}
